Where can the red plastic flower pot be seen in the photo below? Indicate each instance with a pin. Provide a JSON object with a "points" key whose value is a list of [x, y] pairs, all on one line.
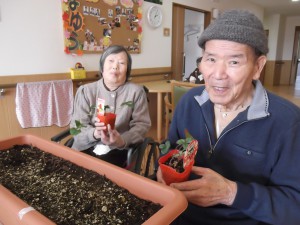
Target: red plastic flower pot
{"points": [[108, 118], [170, 175]]}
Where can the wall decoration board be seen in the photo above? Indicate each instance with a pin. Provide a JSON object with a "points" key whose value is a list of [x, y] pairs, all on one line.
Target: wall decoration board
{"points": [[155, 1], [90, 26]]}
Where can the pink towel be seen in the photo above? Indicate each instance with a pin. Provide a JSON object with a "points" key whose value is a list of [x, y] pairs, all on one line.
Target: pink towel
{"points": [[45, 103]]}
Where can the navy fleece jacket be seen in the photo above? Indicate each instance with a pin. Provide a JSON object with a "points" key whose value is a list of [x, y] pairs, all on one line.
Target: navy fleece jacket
{"points": [[259, 149]]}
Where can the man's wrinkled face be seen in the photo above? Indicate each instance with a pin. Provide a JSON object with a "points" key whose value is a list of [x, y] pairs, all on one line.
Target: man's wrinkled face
{"points": [[228, 69]]}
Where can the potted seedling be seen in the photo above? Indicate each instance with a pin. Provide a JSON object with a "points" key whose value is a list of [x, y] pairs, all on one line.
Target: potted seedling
{"points": [[176, 164], [107, 117], [103, 114]]}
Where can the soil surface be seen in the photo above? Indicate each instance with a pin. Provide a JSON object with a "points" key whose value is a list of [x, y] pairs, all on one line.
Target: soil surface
{"points": [[69, 194], [176, 163]]}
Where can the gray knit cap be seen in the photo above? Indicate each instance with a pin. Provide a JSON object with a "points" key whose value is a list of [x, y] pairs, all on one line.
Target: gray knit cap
{"points": [[239, 26]]}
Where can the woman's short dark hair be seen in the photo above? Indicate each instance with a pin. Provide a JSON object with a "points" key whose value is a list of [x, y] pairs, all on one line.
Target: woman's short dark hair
{"points": [[115, 49]]}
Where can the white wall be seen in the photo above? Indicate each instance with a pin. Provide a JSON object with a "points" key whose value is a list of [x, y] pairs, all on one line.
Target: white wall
{"points": [[272, 24], [31, 36], [281, 35], [289, 34]]}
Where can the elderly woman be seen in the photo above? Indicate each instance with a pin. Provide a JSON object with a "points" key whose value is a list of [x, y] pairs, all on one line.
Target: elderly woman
{"points": [[132, 123]]}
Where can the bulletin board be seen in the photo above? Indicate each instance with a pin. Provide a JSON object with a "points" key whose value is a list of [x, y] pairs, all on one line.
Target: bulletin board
{"points": [[90, 26], [155, 1]]}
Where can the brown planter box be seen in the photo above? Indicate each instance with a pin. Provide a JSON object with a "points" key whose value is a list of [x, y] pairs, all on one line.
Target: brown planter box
{"points": [[172, 200]]}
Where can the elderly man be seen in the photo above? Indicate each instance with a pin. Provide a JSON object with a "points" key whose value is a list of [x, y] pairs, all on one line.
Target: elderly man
{"points": [[247, 168]]}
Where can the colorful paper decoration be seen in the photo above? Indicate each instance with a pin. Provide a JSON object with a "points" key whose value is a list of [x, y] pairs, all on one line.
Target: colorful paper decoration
{"points": [[90, 26]]}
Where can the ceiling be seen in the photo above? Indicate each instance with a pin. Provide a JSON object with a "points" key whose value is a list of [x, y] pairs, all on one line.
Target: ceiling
{"points": [[284, 7]]}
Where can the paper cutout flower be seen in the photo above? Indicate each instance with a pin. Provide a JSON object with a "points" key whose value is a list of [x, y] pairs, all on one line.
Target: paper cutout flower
{"points": [[65, 16], [65, 7], [111, 2], [127, 3], [67, 42], [139, 29], [140, 10], [139, 16], [79, 52], [140, 36], [67, 50], [67, 34]]}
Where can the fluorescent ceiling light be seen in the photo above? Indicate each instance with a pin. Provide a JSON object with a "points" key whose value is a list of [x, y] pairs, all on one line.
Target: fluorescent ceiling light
{"points": [[295, 0]]}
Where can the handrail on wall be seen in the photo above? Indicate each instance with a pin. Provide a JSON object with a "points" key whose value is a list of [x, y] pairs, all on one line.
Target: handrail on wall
{"points": [[3, 86], [135, 73]]}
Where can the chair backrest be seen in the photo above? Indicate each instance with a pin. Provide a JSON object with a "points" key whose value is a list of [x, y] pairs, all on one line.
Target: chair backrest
{"points": [[178, 89]]}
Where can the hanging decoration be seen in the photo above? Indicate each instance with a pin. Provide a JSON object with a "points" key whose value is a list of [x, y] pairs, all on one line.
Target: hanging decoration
{"points": [[90, 26]]}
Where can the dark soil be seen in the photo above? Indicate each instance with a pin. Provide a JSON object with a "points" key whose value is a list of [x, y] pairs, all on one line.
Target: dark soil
{"points": [[67, 193], [176, 163]]}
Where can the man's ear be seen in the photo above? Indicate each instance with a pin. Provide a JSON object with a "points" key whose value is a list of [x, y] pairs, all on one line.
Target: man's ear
{"points": [[259, 65]]}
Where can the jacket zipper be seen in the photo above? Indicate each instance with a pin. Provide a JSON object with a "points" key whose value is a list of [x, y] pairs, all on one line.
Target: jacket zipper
{"points": [[212, 147]]}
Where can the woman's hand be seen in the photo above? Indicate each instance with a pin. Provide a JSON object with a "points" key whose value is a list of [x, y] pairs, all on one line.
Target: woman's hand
{"points": [[107, 135], [210, 189], [99, 127]]}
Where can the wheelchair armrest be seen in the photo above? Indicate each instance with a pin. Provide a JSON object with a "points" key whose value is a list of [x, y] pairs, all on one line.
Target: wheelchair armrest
{"points": [[134, 148], [130, 153], [137, 152], [60, 136]]}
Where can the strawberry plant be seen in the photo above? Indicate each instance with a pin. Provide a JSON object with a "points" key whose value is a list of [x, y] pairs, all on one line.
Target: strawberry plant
{"points": [[176, 160], [77, 129], [177, 163], [78, 125]]}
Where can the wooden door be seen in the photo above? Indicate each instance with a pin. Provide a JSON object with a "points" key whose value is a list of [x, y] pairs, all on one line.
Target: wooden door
{"points": [[296, 49], [178, 37], [177, 42]]}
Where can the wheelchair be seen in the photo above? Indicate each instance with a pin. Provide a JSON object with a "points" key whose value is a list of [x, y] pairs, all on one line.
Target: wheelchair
{"points": [[141, 157]]}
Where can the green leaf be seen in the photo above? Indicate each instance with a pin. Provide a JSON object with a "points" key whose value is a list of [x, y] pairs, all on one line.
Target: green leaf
{"points": [[92, 110], [78, 124], [182, 144], [165, 147], [129, 104], [189, 140], [180, 141], [74, 131], [77, 129]]}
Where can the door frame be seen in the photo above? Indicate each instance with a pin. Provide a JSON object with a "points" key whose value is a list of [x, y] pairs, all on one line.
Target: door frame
{"points": [[294, 62], [178, 36]]}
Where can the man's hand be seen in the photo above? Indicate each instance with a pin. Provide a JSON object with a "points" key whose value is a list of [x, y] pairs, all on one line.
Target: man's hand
{"points": [[210, 189], [159, 176]]}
